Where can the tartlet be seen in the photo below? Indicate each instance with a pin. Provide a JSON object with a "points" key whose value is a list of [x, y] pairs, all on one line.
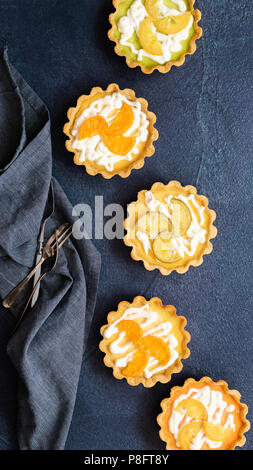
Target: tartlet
{"points": [[154, 34], [144, 341], [203, 415], [110, 132], [169, 228]]}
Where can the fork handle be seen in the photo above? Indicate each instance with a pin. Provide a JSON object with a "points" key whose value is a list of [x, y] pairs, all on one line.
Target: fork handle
{"points": [[28, 301], [11, 298]]}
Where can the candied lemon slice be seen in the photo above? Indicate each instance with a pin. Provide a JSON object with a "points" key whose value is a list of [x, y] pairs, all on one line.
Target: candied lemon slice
{"points": [[181, 217], [156, 348], [164, 249], [152, 7], [148, 38], [153, 223], [215, 432], [187, 433], [192, 408], [132, 329], [118, 144], [172, 24], [137, 365], [95, 125], [122, 122]]}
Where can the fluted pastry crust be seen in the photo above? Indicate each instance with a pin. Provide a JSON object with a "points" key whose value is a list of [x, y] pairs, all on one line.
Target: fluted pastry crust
{"points": [[164, 68], [193, 261], [147, 151], [163, 376], [162, 418]]}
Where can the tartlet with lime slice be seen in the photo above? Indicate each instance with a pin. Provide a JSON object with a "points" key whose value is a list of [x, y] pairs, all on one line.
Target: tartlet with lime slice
{"points": [[110, 131], [203, 415], [145, 341], [155, 34], [169, 227]]}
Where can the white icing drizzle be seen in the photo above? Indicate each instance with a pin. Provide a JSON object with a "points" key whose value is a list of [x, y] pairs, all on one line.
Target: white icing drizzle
{"points": [[170, 43], [154, 205], [172, 342], [194, 235], [143, 237], [215, 406], [122, 361], [115, 346], [146, 318], [133, 313], [230, 408], [93, 148]]}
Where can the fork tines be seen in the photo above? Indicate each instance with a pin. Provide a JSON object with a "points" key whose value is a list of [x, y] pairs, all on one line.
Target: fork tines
{"points": [[61, 235]]}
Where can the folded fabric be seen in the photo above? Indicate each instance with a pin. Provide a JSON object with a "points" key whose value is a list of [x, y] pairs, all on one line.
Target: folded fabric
{"points": [[48, 346]]}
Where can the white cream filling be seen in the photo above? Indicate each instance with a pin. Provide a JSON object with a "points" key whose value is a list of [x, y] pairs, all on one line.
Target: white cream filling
{"points": [[215, 406], [144, 239], [130, 23], [93, 148], [194, 235], [146, 319]]}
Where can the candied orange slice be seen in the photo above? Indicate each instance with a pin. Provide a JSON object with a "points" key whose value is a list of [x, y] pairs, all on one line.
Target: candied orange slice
{"points": [[187, 433], [95, 125], [132, 329], [215, 432], [111, 134], [119, 144], [173, 24], [192, 408], [137, 365], [148, 38], [155, 347], [122, 122], [152, 7]]}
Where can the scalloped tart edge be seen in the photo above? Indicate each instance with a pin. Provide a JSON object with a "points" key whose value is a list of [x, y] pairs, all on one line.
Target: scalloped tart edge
{"points": [[164, 376], [161, 418], [192, 262], [148, 149], [164, 68]]}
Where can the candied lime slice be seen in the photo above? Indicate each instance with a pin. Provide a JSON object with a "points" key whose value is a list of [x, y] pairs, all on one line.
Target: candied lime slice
{"points": [[154, 223], [181, 217], [148, 38], [173, 24], [164, 249]]}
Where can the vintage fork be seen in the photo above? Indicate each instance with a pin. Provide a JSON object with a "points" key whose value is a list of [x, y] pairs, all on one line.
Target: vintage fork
{"points": [[56, 240], [37, 283]]}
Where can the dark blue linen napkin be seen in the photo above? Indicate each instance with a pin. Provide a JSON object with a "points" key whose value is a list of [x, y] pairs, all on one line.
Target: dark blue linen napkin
{"points": [[47, 348]]}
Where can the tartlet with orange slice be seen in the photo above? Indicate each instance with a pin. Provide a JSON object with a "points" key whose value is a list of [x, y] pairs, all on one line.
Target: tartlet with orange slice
{"points": [[155, 34], [203, 415], [110, 132], [169, 227], [144, 341]]}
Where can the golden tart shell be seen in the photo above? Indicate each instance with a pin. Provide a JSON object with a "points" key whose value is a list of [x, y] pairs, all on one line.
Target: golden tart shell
{"points": [[162, 376], [148, 148], [166, 405], [167, 268], [164, 68]]}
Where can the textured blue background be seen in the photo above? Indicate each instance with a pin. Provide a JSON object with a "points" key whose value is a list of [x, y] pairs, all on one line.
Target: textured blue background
{"points": [[204, 116]]}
